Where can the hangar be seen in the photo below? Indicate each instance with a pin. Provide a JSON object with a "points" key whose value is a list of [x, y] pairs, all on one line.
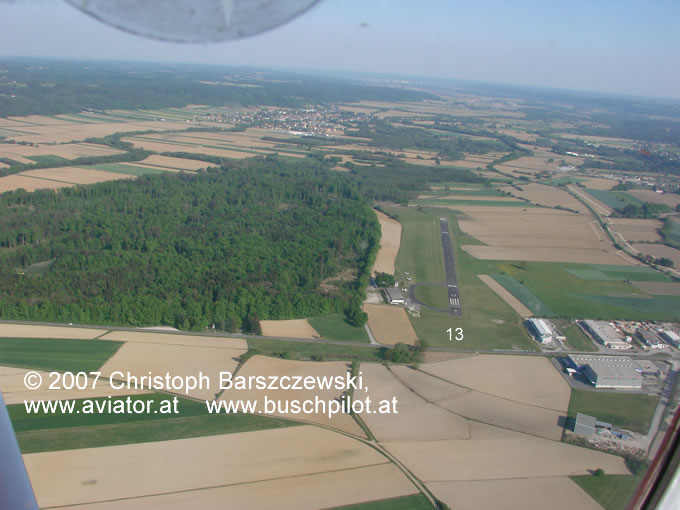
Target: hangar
{"points": [[540, 330], [610, 371], [394, 296]]}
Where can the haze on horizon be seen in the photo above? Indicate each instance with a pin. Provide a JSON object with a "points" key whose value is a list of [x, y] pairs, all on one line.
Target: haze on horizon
{"points": [[626, 47]]}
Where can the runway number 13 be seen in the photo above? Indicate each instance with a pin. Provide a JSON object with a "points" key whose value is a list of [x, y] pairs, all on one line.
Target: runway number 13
{"points": [[457, 331]]}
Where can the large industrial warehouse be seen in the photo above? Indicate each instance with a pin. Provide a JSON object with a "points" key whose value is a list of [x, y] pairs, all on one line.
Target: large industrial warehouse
{"points": [[609, 371], [604, 333]]}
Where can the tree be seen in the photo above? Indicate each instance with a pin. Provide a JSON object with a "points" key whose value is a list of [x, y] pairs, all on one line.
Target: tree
{"points": [[384, 280], [666, 262]]}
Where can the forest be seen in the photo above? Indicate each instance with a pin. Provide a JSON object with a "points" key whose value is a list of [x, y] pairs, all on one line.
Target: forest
{"points": [[385, 134], [229, 246]]}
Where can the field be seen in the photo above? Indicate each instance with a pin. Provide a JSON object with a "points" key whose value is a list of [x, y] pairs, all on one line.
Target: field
{"points": [[43, 130], [500, 458], [558, 493], [14, 388], [611, 491], [629, 411], [18, 181], [660, 288], [658, 251], [548, 196], [178, 338], [634, 230], [389, 324], [614, 199], [506, 296], [29, 154], [512, 378], [433, 295], [494, 415], [48, 354], [595, 291], [266, 366], [188, 165], [31, 331], [140, 358], [420, 252], [294, 328], [417, 418], [535, 234], [389, 244], [415, 502], [144, 431], [647, 195], [335, 327], [75, 175], [310, 350], [262, 460], [576, 338]]}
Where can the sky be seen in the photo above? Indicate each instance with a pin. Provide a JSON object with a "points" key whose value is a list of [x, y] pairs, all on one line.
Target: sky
{"points": [[627, 47]]}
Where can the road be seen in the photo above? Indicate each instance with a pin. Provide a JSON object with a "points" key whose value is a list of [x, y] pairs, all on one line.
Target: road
{"points": [[455, 305]]}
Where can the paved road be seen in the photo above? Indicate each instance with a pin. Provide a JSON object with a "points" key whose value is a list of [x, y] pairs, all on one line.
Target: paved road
{"points": [[455, 305]]}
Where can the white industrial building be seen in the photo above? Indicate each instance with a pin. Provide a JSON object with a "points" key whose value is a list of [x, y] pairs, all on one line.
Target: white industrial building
{"points": [[671, 337], [540, 329], [604, 333]]}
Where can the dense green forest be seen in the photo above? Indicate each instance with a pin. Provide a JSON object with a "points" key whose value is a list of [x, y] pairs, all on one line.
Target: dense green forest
{"points": [[385, 134], [248, 241], [30, 86]]}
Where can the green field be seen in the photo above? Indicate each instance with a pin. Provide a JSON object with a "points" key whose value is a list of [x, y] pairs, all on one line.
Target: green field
{"points": [[631, 411], [611, 491], [576, 338], [126, 169], [25, 422], [314, 350], [614, 199], [518, 290], [609, 272], [421, 247], [49, 160], [657, 307], [414, 502], [433, 295], [487, 321], [49, 354], [145, 431], [335, 327], [568, 296]]}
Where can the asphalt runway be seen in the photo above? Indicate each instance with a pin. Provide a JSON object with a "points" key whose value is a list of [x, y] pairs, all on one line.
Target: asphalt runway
{"points": [[455, 304]]}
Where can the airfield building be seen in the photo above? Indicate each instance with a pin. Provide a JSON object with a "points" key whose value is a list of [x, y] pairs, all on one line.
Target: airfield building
{"points": [[394, 296], [540, 330], [604, 333], [610, 371], [584, 425], [649, 338], [671, 337]]}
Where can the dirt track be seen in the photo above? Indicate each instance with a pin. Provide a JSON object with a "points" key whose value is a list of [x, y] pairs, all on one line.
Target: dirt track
{"points": [[390, 240]]}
